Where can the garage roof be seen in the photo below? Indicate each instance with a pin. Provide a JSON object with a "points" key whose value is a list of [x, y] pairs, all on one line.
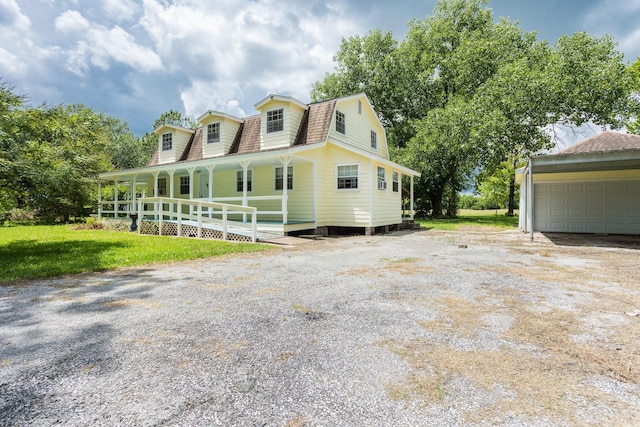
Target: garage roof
{"points": [[605, 142], [606, 151]]}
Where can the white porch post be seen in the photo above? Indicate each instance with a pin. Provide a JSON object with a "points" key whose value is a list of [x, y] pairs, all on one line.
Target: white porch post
{"points": [[245, 199], [411, 211], [210, 169], [191, 170], [115, 198], [155, 192], [99, 200], [285, 186], [134, 207], [531, 196], [171, 172]]}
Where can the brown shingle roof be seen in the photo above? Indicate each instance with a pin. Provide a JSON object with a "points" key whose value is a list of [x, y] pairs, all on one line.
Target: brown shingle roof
{"points": [[247, 138], [314, 128], [315, 123], [605, 141]]}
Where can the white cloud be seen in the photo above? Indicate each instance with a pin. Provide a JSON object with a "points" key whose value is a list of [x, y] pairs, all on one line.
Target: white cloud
{"points": [[121, 10], [71, 20], [100, 46], [244, 50], [12, 18]]}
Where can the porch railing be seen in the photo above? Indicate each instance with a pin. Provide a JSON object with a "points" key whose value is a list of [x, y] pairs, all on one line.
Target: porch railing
{"points": [[109, 208], [165, 209]]}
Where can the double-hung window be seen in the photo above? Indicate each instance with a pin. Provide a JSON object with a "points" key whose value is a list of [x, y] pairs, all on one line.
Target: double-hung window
{"points": [[374, 140], [167, 141], [280, 178], [347, 177], [394, 176], [213, 133], [382, 183], [240, 180], [341, 125], [184, 185], [275, 120], [162, 187]]}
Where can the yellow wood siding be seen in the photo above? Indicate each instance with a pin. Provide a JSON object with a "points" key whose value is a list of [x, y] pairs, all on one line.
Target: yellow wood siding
{"points": [[301, 197], [360, 120], [387, 208], [345, 208], [292, 117]]}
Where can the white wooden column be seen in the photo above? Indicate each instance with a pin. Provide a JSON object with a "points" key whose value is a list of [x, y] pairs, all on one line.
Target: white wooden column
{"points": [[285, 185], [134, 206], [171, 172], [245, 200], [191, 170], [155, 192], [210, 169], [411, 211]]}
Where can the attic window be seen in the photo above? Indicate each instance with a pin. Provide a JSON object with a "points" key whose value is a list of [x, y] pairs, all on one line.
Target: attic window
{"points": [[374, 140], [167, 141], [213, 133], [340, 123], [275, 121]]}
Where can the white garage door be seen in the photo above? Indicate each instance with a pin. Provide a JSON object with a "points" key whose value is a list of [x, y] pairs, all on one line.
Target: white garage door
{"points": [[588, 207]]}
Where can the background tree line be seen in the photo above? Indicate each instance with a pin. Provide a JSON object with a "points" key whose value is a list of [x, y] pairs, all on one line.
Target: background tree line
{"points": [[467, 99], [51, 156]]}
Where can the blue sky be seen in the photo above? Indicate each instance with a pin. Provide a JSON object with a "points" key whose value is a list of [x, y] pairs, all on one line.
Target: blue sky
{"points": [[135, 59]]}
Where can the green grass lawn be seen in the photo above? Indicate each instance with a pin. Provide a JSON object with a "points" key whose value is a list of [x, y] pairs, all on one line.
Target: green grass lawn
{"points": [[31, 252], [487, 220]]}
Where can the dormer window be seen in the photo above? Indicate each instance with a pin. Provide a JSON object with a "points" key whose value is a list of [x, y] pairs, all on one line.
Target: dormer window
{"points": [[213, 133], [340, 123], [275, 120], [167, 141]]}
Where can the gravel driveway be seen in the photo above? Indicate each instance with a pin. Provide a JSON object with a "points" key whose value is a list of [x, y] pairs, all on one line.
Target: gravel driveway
{"points": [[408, 329]]}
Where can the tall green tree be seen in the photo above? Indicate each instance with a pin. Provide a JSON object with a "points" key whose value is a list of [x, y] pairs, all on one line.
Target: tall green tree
{"points": [[460, 59]]}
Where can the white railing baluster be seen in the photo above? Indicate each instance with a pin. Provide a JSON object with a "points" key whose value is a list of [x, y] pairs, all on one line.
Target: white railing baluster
{"points": [[157, 203]]}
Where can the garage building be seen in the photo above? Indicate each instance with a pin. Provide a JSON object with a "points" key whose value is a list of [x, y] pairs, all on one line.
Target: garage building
{"points": [[591, 187]]}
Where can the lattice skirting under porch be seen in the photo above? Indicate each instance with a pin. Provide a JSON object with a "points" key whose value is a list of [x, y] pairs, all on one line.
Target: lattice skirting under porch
{"points": [[171, 229]]}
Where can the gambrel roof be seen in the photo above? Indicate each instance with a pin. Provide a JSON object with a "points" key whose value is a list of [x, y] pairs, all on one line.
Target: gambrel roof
{"points": [[314, 128]]}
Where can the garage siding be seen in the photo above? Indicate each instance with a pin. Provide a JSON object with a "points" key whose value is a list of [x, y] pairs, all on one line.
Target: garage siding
{"points": [[588, 207]]}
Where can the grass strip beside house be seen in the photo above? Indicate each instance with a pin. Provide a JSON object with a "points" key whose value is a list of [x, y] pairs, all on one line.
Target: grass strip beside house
{"points": [[484, 220], [32, 252]]}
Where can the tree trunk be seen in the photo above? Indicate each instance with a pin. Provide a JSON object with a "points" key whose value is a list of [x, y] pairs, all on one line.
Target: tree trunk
{"points": [[436, 203], [512, 196]]}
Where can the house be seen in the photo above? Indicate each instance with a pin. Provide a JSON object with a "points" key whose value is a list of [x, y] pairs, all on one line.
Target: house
{"points": [[302, 168], [591, 187]]}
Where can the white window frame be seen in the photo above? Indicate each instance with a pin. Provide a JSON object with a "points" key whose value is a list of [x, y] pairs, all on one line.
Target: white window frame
{"points": [[289, 178], [357, 177], [374, 140], [240, 177], [382, 178], [210, 139], [183, 184], [167, 141], [341, 122], [270, 122], [395, 181]]}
